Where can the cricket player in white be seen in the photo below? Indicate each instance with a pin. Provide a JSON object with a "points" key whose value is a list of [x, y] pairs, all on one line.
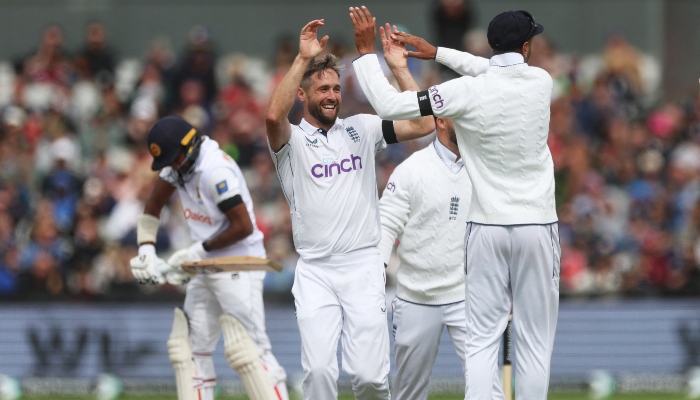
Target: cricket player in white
{"points": [[425, 206], [219, 211], [327, 170], [512, 248]]}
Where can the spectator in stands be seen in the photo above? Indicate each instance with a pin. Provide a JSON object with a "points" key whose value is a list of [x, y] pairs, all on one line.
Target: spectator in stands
{"points": [[50, 63], [197, 63], [99, 55]]}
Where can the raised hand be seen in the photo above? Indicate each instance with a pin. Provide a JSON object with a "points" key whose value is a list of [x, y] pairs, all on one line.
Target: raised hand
{"points": [[394, 51], [309, 45], [424, 50], [365, 29]]}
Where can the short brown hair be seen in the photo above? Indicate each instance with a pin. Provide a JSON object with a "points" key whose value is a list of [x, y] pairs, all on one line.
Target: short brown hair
{"points": [[329, 61]]}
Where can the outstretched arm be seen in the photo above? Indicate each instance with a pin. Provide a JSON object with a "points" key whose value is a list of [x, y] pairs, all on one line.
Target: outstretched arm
{"points": [[394, 54], [279, 130], [461, 62]]}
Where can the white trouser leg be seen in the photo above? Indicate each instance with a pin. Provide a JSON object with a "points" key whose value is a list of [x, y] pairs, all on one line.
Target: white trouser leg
{"points": [[417, 329], [319, 317], [359, 284], [453, 316], [487, 306], [203, 311], [535, 282]]}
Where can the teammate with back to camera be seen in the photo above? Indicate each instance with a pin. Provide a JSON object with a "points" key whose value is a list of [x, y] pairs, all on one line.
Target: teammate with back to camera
{"points": [[327, 170], [219, 212], [501, 118], [425, 206]]}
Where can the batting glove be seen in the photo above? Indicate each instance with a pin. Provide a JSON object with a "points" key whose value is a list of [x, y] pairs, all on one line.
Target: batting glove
{"points": [[193, 253], [144, 267], [178, 278]]}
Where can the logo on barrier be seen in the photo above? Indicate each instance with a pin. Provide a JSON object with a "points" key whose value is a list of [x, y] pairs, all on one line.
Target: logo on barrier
{"points": [[63, 351]]}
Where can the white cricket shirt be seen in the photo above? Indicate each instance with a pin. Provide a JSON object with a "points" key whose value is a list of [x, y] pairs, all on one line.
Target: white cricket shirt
{"points": [[425, 206], [331, 186], [502, 122], [216, 177]]}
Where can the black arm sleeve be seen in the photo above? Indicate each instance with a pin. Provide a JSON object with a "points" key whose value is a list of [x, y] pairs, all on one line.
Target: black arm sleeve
{"points": [[389, 132], [424, 104], [230, 203]]}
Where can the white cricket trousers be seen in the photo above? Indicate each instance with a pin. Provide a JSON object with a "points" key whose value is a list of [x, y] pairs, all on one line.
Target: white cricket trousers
{"points": [[237, 294], [342, 297], [417, 330], [504, 263]]}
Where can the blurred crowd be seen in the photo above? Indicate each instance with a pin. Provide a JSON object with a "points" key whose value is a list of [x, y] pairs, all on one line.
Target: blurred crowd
{"points": [[75, 170]]}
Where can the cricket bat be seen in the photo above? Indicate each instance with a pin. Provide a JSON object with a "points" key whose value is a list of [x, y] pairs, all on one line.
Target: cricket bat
{"points": [[508, 360], [231, 264]]}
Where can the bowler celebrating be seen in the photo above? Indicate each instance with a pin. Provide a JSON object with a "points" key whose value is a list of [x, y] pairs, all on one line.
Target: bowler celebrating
{"points": [[327, 170]]}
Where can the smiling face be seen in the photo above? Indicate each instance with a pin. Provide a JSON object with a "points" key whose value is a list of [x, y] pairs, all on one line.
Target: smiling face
{"points": [[322, 99]]}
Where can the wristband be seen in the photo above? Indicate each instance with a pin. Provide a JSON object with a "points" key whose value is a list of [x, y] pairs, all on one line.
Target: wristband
{"points": [[147, 249]]}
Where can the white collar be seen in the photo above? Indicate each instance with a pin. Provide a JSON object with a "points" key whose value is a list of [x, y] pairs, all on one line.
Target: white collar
{"points": [[506, 59], [448, 157], [311, 130]]}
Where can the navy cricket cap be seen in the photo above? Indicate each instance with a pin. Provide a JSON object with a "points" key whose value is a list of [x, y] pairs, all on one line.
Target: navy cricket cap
{"points": [[167, 139], [509, 30]]}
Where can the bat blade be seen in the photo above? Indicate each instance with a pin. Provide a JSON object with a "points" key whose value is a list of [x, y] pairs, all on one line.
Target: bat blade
{"points": [[231, 264], [508, 360]]}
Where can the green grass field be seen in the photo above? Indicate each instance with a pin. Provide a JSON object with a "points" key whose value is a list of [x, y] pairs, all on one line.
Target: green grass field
{"points": [[554, 396]]}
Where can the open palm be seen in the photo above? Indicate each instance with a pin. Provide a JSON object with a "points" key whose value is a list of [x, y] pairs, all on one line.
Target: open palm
{"points": [[394, 51], [309, 45]]}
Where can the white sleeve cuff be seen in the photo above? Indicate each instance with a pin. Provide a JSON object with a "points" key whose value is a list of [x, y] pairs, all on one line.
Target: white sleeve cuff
{"points": [[445, 55]]}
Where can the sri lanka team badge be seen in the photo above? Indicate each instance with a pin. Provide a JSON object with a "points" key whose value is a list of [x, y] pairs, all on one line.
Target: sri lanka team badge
{"points": [[221, 187], [154, 149]]}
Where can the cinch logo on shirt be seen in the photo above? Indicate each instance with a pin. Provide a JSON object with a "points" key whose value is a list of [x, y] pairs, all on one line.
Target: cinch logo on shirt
{"points": [[195, 216], [346, 165]]}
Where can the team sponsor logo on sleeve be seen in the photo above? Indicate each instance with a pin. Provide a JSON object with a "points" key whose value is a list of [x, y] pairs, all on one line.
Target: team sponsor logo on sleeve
{"points": [[353, 134], [437, 99], [391, 187], [221, 187]]}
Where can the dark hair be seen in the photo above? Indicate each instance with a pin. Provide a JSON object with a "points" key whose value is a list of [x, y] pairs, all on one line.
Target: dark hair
{"points": [[329, 61]]}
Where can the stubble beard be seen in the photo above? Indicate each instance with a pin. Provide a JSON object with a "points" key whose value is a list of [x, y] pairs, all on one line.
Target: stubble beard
{"points": [[316, 111]]}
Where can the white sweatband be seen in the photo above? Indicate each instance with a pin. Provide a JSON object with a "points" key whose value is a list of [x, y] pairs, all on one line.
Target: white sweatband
{"points": [[147, 249], [146, 228]]}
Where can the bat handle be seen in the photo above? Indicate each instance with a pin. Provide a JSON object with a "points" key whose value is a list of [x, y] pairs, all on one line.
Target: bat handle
{"points": [[163, 267]]}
